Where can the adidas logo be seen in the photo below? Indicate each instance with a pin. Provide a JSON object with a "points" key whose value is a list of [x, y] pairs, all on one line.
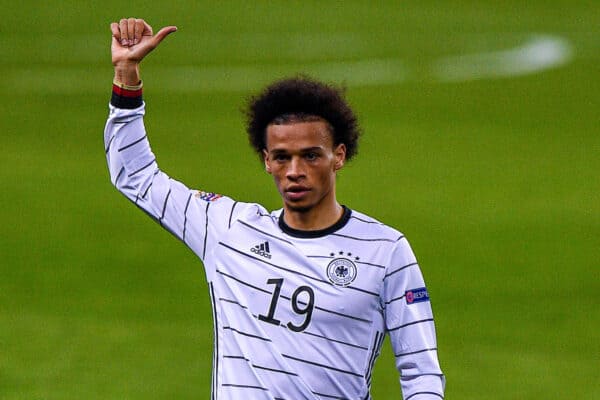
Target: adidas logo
{"points": [[262, 250]]}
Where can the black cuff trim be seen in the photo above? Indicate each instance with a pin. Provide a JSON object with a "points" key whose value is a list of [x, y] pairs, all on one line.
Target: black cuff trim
{"points": [[126, 102]]}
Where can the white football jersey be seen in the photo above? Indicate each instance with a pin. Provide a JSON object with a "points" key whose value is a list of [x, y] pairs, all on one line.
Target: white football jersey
{"points": [[297, 315]]}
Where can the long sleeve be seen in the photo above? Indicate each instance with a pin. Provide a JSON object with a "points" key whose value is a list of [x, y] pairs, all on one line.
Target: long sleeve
{"points": [[192, 216], [409, 322]]}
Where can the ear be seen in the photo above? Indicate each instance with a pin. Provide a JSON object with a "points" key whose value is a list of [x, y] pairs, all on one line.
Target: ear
{"points": [[266, 160], [339, 152]]}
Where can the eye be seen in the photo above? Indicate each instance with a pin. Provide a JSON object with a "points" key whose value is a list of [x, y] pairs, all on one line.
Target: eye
{"points": [[311, 156], [280, 157]]}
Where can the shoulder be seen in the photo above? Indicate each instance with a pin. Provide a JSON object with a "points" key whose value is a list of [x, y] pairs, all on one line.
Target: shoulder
{"points": [[222, 206], [390, 242], [370, 228], [252, 213]]}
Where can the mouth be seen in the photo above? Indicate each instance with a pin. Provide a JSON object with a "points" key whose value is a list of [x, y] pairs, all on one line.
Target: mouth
{"points": [[296, 193]]}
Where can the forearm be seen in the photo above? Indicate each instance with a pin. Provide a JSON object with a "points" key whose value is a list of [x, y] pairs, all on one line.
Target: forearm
{"points": [[127, 73], [415, 352], [130, 160]]}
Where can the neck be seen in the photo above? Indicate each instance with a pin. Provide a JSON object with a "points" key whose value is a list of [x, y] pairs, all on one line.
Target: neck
{"points": [[312, 219]]}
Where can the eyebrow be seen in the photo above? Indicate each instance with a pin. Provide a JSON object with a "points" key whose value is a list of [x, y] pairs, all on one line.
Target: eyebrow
{"points": [[304, 150]]}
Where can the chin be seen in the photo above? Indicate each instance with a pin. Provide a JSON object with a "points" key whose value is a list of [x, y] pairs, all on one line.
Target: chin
{"points": [[298, 207]]}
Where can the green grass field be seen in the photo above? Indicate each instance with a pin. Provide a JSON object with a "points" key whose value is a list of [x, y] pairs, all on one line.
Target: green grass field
{"points": [[481, 143]]}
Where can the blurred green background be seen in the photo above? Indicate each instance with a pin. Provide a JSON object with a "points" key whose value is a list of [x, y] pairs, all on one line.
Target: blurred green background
{"points": [[481, 143]]}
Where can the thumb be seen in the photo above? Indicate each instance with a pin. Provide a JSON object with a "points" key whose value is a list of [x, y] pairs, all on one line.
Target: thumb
{"points": [[163, 33]]}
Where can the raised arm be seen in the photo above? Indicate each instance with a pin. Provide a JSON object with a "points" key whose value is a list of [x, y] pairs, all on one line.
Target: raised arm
{"points": [[132, 165]]}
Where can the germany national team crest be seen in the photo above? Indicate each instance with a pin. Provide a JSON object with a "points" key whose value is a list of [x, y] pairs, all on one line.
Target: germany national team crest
{"points": [[341, 271]]}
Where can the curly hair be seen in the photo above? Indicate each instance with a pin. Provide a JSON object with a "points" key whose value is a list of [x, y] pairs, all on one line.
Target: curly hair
{"points": [[302, 99]]}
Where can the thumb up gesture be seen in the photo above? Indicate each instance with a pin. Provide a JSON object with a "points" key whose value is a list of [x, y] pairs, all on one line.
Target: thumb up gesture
{"points": [[132, 40]]}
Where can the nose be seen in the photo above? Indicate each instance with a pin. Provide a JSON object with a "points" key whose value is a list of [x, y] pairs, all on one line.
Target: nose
{"points": [[295, 169]]}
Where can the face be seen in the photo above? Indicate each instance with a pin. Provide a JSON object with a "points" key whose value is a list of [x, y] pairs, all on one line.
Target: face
{"points": [[303, 162]]}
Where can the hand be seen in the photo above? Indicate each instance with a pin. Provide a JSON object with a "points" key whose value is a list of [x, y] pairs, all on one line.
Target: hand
{"points": [[132, 40]]}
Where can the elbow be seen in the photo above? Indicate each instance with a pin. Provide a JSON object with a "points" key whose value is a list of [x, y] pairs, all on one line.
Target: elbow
{"points": [[124, 185]]}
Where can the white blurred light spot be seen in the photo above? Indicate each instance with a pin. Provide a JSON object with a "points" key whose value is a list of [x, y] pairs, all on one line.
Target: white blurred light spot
{"points": [[538, 54]]}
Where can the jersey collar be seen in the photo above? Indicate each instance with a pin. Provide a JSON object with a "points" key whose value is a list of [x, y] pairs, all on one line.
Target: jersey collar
{"points": [[318, 233]]}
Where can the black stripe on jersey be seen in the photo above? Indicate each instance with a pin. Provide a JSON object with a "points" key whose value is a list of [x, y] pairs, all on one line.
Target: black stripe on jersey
{"points": [[233, 302], [185, 216], [365, 239], [266, 215], [109, 143], [417, 393], [415, 352], [145, 193], [162, 214], [242, 358], [372, 356], [293, 271], [400, 269], [147, 189], [264, 233], [231, 213], [141, 169], [354, 261], [237, 357], [132, 143], [243, 282], [365, 221], [247, 334], [216, 344], [395, 299], [321, 365], [243, 386], [205, 231], [369, 264], [119, 174], [410, 323], [335, 312], [333, 340], [379, 346], [330, 396], [289, 298], [275, 370], [362, 290], [377, 342]]}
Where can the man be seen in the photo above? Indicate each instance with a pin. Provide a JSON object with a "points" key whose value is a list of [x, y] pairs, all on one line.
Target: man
{"points": [[303, 296]]}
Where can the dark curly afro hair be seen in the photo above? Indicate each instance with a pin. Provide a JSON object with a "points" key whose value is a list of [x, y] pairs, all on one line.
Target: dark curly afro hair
{"points": [[302, 99]]}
